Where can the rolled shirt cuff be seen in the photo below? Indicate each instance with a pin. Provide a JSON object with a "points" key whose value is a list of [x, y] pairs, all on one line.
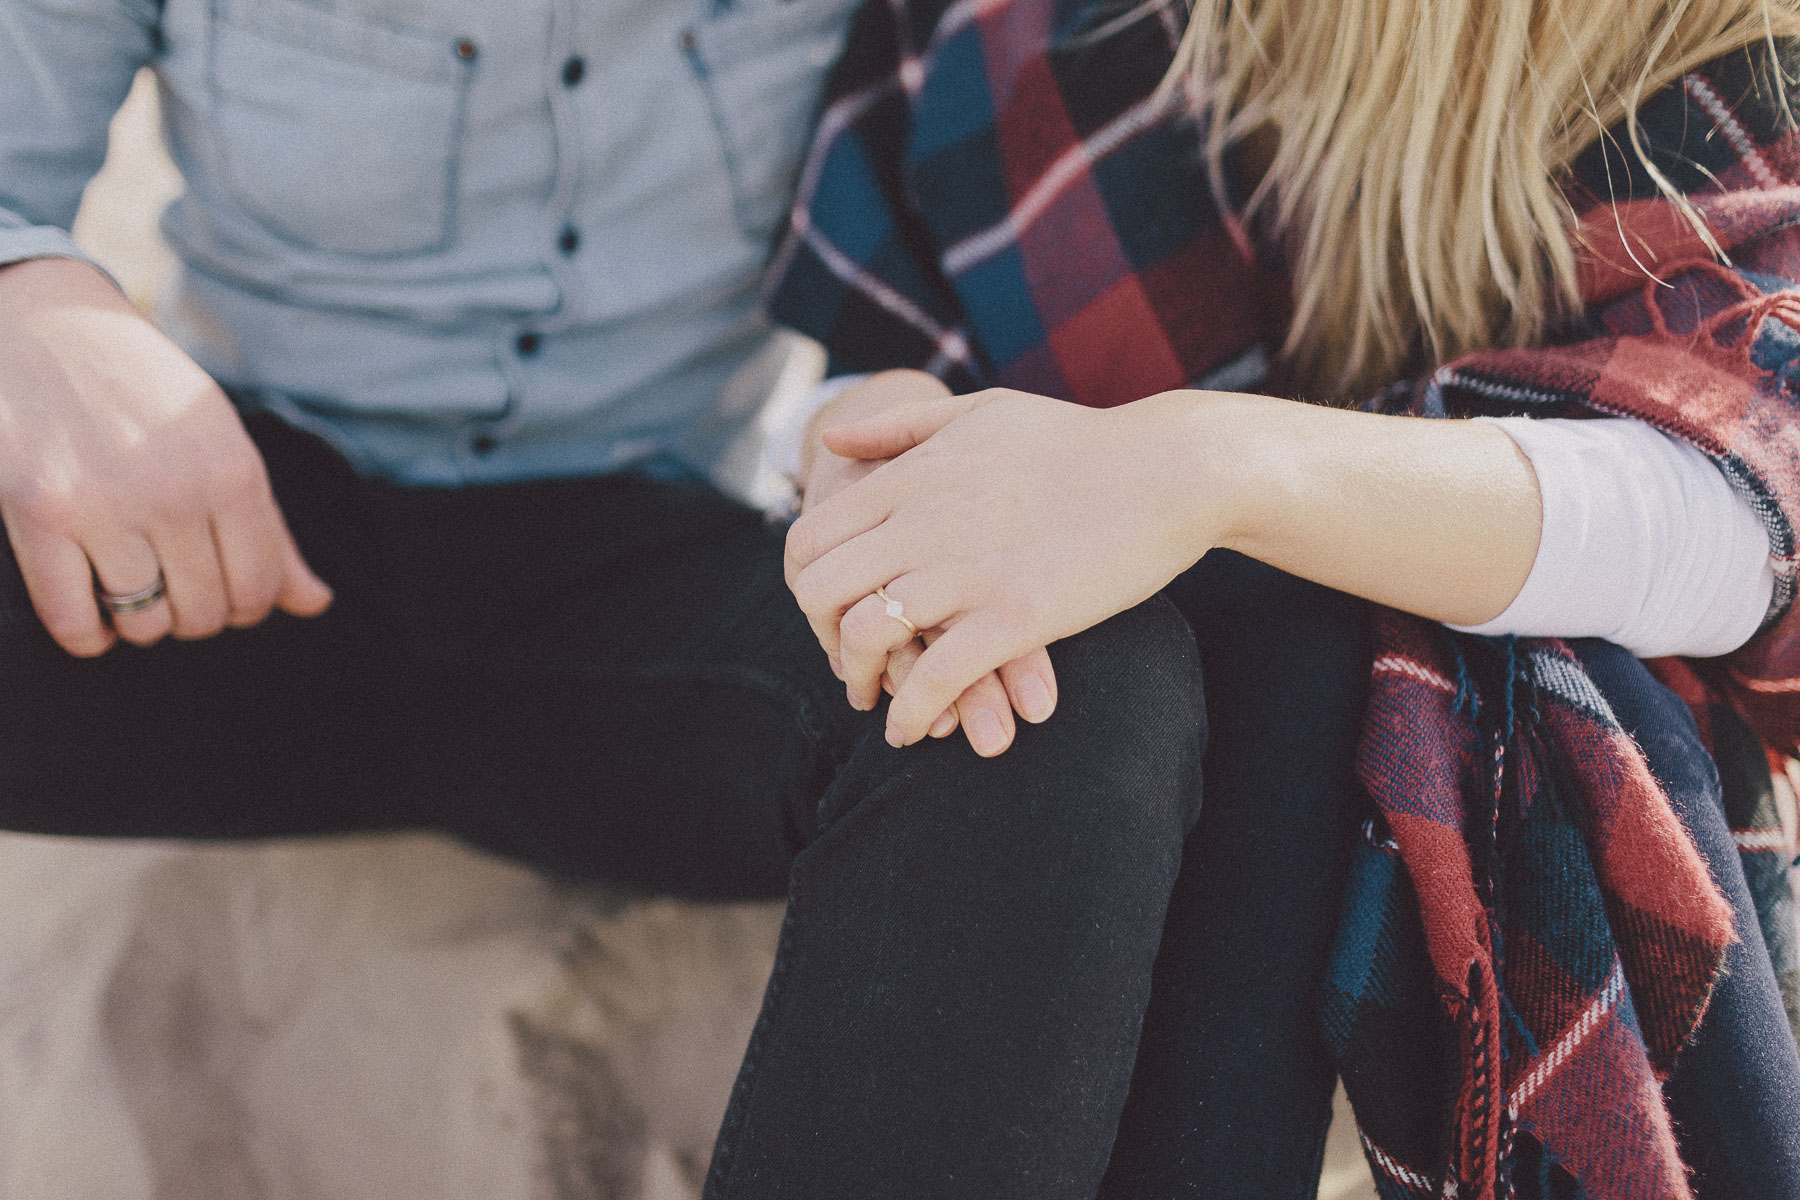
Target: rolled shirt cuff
{"points": [[22, 243]]}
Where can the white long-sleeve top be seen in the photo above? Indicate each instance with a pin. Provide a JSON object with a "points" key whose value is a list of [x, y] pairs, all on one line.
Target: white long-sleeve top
{"points": [[1644, 542]]}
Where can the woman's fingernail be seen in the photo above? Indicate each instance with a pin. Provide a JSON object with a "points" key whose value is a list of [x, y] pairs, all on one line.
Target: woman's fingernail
{"points": [[893, 737], [1034, 699], [945, 725], [837, 668], [986, 733]]}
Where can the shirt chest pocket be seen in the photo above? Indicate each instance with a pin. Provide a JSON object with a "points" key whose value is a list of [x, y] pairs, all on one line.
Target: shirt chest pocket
{"points": [[763, 64], [336, 133]]}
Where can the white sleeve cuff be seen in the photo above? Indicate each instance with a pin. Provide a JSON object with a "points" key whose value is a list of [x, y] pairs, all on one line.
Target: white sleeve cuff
{"points": [[1644, 543], [781, 452]]}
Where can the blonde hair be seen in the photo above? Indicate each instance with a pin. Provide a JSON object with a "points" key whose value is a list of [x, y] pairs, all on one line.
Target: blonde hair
{"points": [[1414, 177]]}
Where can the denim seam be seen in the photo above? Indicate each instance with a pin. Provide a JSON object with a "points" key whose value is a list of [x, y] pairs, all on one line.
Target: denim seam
{"points": [[737, 1112], [718, 1175]]}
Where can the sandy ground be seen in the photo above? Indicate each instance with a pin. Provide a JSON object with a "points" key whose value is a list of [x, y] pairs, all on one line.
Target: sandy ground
{"points": [[347, 1019]]}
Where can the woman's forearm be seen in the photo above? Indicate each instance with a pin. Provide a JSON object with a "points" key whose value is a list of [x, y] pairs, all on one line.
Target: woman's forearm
{"points": [[1438, 518], [1010, 521]]}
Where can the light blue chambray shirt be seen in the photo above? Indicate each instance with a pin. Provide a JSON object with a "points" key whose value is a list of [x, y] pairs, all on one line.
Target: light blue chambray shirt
{"points": [[463, 240]]}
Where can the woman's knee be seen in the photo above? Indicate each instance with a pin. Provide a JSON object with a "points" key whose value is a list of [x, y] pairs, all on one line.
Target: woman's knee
{"points": [[1123, 749], [1130, 691], [1114, 772]]}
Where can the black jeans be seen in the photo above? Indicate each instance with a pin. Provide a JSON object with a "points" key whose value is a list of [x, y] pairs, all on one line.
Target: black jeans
{"points": [[990, 971]]}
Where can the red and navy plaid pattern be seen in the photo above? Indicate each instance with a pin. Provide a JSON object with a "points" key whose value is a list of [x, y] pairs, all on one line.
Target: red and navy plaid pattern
{"points": [[1000, 194], [966, 209], [1569, 925]]}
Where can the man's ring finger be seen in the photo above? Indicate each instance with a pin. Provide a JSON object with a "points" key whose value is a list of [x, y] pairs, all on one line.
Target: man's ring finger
{"points": [[121, 603]]}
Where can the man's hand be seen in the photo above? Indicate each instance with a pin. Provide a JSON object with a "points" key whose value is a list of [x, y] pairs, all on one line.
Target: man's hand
{"points": [[119, 459], [1026, 685]]}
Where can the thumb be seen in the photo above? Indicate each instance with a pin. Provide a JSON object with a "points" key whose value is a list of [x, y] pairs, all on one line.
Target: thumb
{"points": [[303, 593], [896, 430]]}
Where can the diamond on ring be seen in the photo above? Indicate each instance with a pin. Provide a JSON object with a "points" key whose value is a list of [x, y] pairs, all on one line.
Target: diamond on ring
{"points": [[897, 611]]}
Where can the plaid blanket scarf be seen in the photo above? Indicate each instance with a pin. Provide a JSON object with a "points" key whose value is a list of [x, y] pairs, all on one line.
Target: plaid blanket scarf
{"points": [[997, 193]]}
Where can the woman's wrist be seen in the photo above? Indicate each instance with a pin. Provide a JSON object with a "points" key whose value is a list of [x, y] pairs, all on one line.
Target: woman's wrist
{"points": [[1439, 518], [1212, 471]]}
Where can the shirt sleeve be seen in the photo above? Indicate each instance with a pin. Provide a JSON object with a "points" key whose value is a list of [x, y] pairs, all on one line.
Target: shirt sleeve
{"points": [[65, 67], [1645, 543], [781, 453]]}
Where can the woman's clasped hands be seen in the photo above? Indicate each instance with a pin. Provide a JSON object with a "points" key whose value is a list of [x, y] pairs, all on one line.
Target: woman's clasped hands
{"points": [[1001, 522]]}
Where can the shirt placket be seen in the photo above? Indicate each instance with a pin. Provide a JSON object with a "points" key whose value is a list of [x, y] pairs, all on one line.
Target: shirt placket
{"points": [[523, 346]]}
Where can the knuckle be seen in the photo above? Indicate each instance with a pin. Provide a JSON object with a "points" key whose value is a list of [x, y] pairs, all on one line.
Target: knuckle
{"points": [[802, 541], [933, 676], [827, 633], [168, 505], [82, 638], [811, 593], [202, 621], [256, 587], [68, 634], [238, 479], [244, 616], [861, 674], [855, 652], [144, 636], [987, 692], [900, 664], [858, 627], [85, 645], [40, 503], [864, 670], [65, 614]]}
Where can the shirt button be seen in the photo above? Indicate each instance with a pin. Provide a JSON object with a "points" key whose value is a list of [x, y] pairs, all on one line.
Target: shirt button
{"points": [[574, 70], [689, 41], [465, 49], [483, 444], [570, 241], [528, 344]]}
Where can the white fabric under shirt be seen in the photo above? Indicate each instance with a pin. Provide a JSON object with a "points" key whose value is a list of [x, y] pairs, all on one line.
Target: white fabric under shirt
{"points": [[1644, 543]]}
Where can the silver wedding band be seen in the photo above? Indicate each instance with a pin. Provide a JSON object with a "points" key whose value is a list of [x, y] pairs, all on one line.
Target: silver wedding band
{"points": [[121, 603], [896, 610]]}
